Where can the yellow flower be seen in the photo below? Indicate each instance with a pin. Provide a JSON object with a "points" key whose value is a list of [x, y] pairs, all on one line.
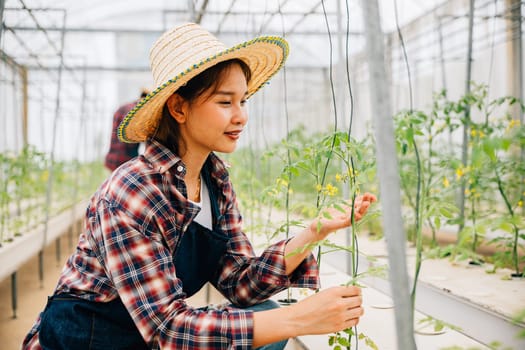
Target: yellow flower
{"points": [[331, 190], [520, 204], [459, 173], [473, 133], [513, 123], [446, 183], [282, 182], [44, 176], [318, 187], [338, 177]]}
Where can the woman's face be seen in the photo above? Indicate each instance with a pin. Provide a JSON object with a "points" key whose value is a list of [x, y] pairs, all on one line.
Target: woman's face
{"points": [[213, 123]]}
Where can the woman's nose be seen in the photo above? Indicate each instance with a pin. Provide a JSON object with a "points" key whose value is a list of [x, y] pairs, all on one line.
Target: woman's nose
{"points": [[240, 115]]}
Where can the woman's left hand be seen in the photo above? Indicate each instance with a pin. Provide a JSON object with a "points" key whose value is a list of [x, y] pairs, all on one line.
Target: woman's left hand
{"points": [[336, 219]]}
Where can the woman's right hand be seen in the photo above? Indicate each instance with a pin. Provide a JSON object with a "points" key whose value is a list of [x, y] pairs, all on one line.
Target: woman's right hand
{"points": [[330, 310]]}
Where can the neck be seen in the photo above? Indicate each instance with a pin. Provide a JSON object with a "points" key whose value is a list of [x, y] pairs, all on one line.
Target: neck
{"points": [[194, 165]]}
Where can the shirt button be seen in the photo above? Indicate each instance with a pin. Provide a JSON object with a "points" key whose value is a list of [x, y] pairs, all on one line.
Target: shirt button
{"points": [[180, 168]]}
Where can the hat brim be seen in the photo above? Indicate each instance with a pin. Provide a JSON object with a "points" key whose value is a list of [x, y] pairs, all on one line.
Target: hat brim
{"points": [[264, 55]]}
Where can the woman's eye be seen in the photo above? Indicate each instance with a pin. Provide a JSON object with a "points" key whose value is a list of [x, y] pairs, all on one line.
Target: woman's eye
{"points": [[224, 102], [243, 102]]}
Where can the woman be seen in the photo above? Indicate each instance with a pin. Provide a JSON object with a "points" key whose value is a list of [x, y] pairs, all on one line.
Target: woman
{"points": [[166, 223]]}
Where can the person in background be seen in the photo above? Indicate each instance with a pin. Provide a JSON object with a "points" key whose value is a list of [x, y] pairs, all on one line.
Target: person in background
{"points": [[167, 222], [120, 152]]}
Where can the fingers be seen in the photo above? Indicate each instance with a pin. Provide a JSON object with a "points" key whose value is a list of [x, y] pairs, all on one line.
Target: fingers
{"points": [[362, 203], [331, 310], [347, 291], [354, 320], [368, 197], [351, 305]]}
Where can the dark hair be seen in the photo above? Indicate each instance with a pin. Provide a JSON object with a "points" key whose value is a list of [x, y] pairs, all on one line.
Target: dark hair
{"points": [[207, 82]]}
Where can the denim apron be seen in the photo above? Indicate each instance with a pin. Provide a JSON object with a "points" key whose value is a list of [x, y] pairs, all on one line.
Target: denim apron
{"points": [[69, 322], [200, 249]]}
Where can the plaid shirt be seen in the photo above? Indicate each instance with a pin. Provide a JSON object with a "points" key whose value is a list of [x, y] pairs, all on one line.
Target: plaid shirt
{"points": [[133, 225], [120, 152]]}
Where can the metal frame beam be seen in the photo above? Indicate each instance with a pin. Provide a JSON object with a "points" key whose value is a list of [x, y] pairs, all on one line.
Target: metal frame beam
{"points": [[153, 31]]}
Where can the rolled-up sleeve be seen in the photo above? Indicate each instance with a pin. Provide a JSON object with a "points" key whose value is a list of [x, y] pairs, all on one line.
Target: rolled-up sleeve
{"points": [[246, 279]]}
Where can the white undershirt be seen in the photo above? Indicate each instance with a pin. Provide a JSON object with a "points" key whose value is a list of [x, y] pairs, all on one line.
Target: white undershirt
{"points": [[204, 215]]}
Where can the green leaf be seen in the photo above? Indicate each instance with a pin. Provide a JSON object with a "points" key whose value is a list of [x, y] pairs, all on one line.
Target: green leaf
{"points": [[445, 212], [327, 215], [437, 222], [331, 340], [344, 342], [506, 226]]}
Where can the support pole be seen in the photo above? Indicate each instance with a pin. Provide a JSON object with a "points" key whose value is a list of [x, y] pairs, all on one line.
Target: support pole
{"points": [[442, 55], [515, 71], [341, 101], [2, 5], [466, 126], [388, 173], [14, 293], [25, 105], [51, 170], [514, 53], [191, 10]]}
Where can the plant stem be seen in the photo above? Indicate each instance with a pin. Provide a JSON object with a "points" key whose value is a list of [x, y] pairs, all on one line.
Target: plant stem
{"points": [[511, 212], [419, 236], [475, 232]]}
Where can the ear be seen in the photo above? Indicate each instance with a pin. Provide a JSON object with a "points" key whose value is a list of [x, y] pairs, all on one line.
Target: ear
{"points": [[177, 107]]}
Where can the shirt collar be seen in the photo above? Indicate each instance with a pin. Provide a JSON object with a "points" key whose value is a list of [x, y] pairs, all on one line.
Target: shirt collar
{"points": [[162, 158]]}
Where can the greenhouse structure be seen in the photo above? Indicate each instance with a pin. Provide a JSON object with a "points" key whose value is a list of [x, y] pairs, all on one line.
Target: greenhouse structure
{"points": [[419, 103]]}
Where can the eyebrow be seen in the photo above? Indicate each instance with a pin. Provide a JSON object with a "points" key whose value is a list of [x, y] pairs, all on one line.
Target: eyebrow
{"points": [[228, 93]]}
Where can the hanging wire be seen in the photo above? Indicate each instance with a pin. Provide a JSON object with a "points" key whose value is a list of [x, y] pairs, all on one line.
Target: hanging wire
{"points": [[405, 57], [414, 145], [453, 29], [288, 155], [355, 243], [347, 59], [491, 60], [332, 89]]}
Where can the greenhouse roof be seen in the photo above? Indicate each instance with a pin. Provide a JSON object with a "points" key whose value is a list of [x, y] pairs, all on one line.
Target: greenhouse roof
{"points": [[309, 25]]}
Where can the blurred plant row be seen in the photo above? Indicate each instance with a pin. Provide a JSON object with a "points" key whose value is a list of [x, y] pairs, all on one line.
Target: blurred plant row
{"points": [[476, 191], [25, 180]]}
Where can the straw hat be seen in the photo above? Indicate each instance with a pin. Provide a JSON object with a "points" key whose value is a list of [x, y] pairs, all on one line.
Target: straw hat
{"points": [[185, 51]]}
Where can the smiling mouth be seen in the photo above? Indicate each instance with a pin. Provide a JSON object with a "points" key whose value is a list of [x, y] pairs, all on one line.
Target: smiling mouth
{"points": [[233, 133]]}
